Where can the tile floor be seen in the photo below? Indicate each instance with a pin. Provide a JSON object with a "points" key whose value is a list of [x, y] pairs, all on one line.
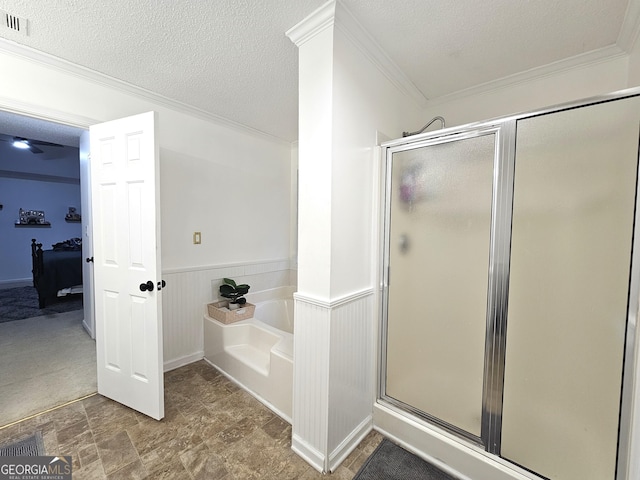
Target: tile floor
{"points": [[212, 430]]}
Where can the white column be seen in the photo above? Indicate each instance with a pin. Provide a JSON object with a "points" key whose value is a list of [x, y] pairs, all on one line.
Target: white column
{"points": [[333, 384], [349, 91]]}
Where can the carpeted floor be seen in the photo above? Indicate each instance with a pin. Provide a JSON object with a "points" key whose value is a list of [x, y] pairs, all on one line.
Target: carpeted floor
{"points": [[22, 302], [391, 462], [44, 362]]}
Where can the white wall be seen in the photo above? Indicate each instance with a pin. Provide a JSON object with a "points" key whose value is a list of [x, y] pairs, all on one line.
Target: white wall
{"points": [[365, 103], [532, 92], [228, 182], [236, 195], [314, 163], [293, 228]]}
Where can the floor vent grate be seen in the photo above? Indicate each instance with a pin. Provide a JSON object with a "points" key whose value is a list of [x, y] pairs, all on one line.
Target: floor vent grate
{"points": [[13, 23]]}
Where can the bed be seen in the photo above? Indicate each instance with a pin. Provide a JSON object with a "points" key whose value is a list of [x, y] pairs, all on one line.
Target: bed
{"points": [[56, 270]]}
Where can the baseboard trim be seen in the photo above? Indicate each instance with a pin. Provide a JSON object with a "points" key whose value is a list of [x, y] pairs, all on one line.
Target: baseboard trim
{"points": [[349, 444], [310, 454], [182, 361], [87, 329]]}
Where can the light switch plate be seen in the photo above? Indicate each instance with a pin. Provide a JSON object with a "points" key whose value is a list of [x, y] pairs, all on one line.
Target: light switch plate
{"points": [[197, 238]]}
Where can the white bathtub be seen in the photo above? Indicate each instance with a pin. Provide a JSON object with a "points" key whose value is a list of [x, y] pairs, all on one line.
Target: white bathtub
{"points": [[258, 353], [276, 313]]}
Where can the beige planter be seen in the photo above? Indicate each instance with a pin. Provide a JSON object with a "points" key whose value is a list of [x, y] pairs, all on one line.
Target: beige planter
{"points": [[221, 312]]}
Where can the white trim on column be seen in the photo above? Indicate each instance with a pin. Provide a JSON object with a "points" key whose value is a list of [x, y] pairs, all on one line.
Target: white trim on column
{"points": [[309, 453], [329, 304], [314, 23], [343, 450], [335, 13]]}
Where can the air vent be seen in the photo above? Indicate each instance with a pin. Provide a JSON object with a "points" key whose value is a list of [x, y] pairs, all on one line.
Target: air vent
{"points": [[13, 23]]}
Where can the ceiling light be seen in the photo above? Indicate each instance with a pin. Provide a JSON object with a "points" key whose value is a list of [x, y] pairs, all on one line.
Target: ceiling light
{"points": [[23, 144]]}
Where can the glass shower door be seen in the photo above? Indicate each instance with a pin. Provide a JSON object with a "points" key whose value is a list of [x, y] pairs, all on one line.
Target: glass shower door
{"points": [[572, 233], [439, 228], [511, 297]]}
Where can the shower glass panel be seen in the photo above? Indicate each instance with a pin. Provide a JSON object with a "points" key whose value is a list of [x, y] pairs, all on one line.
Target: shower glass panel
{"points": [[573, 211], [439, 227]]}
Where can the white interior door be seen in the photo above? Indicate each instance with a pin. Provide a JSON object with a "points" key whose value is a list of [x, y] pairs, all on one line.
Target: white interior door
{"points": [[126, 251]]}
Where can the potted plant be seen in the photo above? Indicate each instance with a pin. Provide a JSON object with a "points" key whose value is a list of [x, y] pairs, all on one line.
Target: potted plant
{"points": [[234, 292], [228, 311]]}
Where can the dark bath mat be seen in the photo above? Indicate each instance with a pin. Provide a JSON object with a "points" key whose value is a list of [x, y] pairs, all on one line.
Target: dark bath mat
{"points": [[32, 446], [391, 462]]}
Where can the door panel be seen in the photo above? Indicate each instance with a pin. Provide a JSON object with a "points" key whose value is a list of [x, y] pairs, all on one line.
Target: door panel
{"points": [[573, 210], [127, 256], [439, 245]]}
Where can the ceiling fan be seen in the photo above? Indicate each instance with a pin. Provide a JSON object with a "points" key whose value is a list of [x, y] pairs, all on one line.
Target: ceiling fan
{"points": [[27, 144]]}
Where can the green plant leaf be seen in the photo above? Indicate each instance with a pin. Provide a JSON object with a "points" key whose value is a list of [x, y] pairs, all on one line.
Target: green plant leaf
{"points": [[229, 282], [226, 289]]}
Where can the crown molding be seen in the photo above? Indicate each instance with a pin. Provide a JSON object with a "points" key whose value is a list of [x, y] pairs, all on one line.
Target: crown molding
{"points": [[371, 49], [630, 26], [334, 13], [314, 23], [67, 67], [577, 62]]}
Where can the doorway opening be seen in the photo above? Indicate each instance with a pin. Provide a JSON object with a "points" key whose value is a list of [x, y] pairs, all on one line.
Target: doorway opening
{"points": [[47, 355]]}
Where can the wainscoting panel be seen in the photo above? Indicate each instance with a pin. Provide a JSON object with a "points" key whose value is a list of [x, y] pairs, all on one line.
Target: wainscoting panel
{"points": [[188, 291], [334, 375], [311, 381], [352, 370]]}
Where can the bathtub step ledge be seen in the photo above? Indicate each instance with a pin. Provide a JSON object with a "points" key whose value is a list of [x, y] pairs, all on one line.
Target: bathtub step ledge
{"points": [[254, 358]]}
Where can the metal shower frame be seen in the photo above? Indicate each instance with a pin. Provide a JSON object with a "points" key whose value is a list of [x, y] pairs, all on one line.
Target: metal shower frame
{"points": [[504, 129]]}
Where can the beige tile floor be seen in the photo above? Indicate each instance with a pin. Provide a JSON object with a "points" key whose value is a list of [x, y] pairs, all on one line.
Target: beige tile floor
{"points": [[212, 430]]}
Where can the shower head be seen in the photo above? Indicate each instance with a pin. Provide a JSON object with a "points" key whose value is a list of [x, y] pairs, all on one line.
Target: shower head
{"points": [[408, 134]]}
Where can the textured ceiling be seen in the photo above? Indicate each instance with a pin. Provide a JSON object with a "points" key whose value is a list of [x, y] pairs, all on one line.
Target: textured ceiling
{"points": [[32, 128], [231, 57]]}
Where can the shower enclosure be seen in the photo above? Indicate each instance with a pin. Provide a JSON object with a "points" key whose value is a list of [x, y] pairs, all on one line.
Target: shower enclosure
{"points": [[511, 287]]}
